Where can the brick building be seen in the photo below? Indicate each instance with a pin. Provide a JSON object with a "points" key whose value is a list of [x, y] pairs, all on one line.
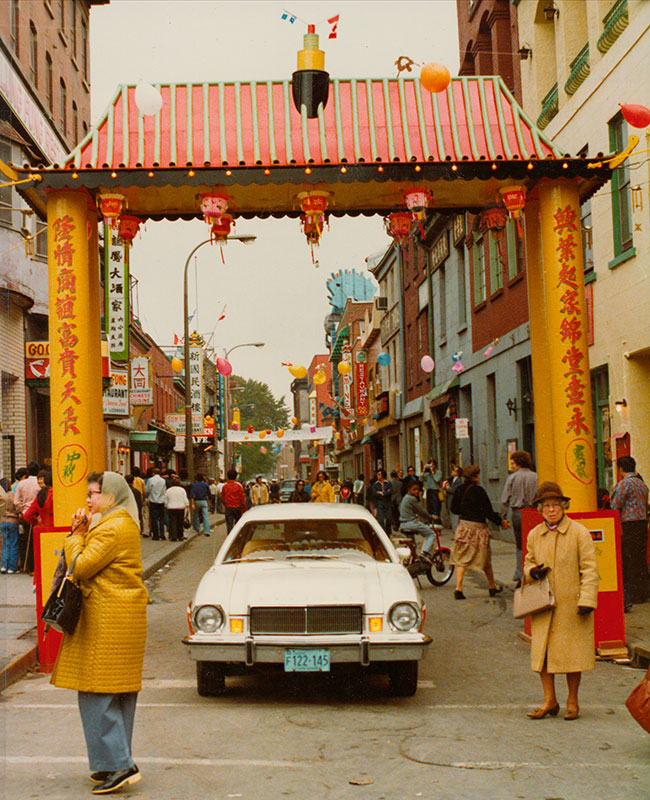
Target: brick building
{"points": [[44, 112]]}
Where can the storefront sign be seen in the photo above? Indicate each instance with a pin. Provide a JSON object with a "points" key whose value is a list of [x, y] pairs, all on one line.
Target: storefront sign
{"points": [[116, 397], [37, 360], [196, 380], [141, 389], [462, 427], [440, 250], [177, 423], [313, 409], [458, 229], [116, 282], [361, 387]]}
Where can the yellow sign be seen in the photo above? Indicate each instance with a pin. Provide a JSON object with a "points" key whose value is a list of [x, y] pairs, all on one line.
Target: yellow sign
{"points": [[603, 533], [51, 549]]}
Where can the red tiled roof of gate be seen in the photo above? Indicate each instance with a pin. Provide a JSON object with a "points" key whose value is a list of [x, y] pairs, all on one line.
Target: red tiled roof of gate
{"points": [[256, 124]]}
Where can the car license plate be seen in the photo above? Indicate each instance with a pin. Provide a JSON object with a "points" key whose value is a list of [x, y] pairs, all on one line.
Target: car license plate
{"points": [[306, 660]]}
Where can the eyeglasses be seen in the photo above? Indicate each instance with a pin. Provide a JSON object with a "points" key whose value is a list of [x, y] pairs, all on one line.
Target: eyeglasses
{"points": [[91, 492], [549, 506]]}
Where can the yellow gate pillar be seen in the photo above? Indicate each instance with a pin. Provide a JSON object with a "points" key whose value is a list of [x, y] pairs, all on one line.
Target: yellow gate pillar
{"points": [[566, 339], [75, 402], [544, 437], [98, 446]]}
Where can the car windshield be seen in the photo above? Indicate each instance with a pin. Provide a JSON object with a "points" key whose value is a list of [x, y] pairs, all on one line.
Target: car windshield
{"points": [[289, 484], [286, 540]]}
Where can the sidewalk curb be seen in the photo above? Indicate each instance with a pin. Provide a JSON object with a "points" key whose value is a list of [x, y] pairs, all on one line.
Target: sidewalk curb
{"points": [[21, 665]]}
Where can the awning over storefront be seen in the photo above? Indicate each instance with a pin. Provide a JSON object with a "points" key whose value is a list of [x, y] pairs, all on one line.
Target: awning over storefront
{"points": [[144, 441], [413, 407], [440, 392], [341, 338]]}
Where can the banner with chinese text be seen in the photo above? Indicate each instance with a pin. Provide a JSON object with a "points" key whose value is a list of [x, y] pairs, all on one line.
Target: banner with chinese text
{"points": [[116, 293]]}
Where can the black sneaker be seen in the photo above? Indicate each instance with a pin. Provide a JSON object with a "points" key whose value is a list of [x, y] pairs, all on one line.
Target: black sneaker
{"points": [[118, 779]]}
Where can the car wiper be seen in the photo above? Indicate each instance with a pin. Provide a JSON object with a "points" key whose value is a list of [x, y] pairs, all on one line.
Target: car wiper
{"points": [[308, 555], [238, 560]]}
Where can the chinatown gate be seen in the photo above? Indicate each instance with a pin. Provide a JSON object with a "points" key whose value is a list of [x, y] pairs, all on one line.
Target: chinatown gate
{"points": [[374, 140]]}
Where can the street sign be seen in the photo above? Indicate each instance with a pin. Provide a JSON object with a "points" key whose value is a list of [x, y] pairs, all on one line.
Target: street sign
{"points": [[462, 428]]}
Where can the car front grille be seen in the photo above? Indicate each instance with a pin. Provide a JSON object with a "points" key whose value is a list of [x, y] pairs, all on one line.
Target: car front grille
{"points": [[311, 619]]}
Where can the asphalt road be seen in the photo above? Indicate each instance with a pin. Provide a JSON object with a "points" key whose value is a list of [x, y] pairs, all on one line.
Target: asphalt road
{"points": [[464, 734]]}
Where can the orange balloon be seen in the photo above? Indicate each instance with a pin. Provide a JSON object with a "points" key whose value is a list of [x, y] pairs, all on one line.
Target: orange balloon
{"points": [[280, 433], [435, 77]]}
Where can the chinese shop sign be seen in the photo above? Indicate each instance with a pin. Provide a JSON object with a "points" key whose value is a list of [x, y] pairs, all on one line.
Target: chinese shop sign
{"points": [[141, 390], [361, 385], [196, 383], [116, 304], [116, 397]]}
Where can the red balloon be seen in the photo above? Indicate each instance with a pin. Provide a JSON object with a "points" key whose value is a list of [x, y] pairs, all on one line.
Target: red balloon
{"points": [[637, 116]]}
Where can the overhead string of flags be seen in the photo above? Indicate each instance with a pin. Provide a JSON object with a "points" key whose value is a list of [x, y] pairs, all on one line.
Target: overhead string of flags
{"points": [[288, 16]]}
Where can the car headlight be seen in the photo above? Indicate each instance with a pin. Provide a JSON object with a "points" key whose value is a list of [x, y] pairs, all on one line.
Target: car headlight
{"points": [[405, 616], [208, 619]]}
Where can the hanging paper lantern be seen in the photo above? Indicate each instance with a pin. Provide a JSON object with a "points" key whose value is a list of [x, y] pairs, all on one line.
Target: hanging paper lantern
{"points": [[220, 230], [294, 420], [320, 377], [250, 429], [383, 359], [177, 364], [298, 371], [245, 437], [280, 433], [434, 77], [427, 364], [268, 432], [344, 368], [128, 227], [235, 426], [313, 206], [417, 201], [148, 99], [224, 367], [493, 219], [458, 367], [514, 199], [262, 434], [263, 450], [312, 428], [213, 206], [110, 207], [398, 226], [635, 115]]}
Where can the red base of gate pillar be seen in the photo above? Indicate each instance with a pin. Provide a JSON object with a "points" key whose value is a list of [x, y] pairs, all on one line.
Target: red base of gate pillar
{"points": [[48, 546]]}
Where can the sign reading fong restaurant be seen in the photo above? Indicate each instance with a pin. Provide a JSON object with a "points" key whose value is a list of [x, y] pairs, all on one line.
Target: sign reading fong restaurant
{"points": [[116, 397]]}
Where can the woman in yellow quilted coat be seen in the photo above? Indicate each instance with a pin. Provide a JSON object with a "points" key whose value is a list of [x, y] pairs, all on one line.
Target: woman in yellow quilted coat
{"points": [[103, 658], [321, 491], [563, 637]]}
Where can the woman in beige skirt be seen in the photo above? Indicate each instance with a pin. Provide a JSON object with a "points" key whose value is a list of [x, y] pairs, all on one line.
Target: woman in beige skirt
{"points": [[471, 548]]}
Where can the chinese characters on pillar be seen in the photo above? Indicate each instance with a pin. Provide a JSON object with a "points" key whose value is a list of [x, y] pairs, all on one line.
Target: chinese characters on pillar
{"points": [[116, 281], [196, 386], [573, 337], [72, 459]]}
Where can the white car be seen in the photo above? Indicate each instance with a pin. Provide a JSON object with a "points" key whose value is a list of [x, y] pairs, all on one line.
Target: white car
{"points": [[307, 586]]}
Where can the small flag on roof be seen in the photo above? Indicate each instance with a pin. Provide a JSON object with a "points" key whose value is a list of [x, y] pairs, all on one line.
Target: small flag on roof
{"points": [[333, 21], [288, 16]]}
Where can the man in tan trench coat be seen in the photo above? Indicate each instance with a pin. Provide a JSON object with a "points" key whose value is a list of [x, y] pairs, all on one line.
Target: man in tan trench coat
{"points": [[562, 638]]}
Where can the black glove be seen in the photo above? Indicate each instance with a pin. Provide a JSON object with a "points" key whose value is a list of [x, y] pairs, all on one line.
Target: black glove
{"points": [[537, 573], [584, 610]]}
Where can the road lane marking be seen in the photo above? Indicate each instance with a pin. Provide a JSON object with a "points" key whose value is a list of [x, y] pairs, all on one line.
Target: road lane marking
{"points": [[196, 762]]}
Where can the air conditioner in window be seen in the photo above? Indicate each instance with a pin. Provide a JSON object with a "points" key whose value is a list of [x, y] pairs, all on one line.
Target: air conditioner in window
{"points": [[381, 303]]}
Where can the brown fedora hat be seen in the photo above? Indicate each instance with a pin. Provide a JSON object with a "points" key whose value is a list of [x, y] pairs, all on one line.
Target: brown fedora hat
{"points": [[549, 491]]}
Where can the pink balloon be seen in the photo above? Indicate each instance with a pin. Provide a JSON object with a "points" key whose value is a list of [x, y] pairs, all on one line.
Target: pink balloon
{"points": [[427, 364], [224, 367]]}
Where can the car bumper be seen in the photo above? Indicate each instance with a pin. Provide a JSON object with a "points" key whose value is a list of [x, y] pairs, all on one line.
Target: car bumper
{"points": [[343, 650]]}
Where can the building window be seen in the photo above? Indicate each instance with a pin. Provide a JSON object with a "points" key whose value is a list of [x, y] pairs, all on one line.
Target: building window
{"points": [[75, 122], [61, 15], [496, 265], [587, 237], [6, 193], [442, 299], [41, 239], [602, 426], [15, 27], [621, 205], [73, 27], [84, 48], [64, 107], [479, 272], [33, 53], [492, 441], [84, 128], [49, 82], [462, 292], [515, 246]]}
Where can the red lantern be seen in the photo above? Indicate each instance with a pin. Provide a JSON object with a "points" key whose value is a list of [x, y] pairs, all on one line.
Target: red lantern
{"points": [[314, 206], [221, 228], [417, 202], [110, 207], [494, 220], [128, 227], [213, 206], [398, 226], [637, 116], [513, 198]]}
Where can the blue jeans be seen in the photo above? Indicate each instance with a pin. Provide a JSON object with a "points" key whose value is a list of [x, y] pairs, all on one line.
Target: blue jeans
{"points": [[10, 545], [201, 514], [108, 727], [384, 516], [423, 529]]}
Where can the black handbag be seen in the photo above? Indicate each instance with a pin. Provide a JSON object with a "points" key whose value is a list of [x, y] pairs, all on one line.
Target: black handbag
{"points": [[63, 607]]}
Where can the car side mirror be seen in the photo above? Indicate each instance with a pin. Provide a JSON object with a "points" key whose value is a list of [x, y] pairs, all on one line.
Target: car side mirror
{"points": [[403, 553]]}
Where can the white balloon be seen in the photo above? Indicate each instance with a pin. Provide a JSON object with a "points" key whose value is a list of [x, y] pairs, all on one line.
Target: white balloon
{"points": [[148, 99]]}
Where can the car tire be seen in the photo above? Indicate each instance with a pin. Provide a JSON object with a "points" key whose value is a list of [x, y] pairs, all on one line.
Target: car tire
{"points": [[403, 677], [210, 679]]}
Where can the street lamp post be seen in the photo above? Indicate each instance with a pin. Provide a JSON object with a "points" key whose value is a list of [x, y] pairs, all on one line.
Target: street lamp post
{"points": [[189, 443], [226, 401]]}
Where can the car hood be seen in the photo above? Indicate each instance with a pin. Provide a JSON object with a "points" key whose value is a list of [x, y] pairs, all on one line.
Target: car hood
{"points": [[373, 585]]}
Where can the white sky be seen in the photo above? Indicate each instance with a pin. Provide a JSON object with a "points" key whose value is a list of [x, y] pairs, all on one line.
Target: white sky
{"points": [[272, 291]]}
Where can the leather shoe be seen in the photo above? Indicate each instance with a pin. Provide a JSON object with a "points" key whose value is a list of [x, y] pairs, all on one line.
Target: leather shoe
{"points": [[541, 712], [572, 713], [459, 595], [495, 590], [100, 777], [118, 779]]}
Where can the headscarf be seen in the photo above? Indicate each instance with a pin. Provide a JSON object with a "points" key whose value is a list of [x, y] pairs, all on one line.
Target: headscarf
{"points": [[114, 484]]}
